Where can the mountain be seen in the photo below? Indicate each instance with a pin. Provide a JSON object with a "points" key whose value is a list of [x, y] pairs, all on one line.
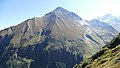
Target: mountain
{"points": [[105, 27], [105, 31], [112, 20], [108, 57], [59, 39]]}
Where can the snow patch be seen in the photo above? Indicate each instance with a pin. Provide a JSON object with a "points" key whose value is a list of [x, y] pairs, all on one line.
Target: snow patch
{"points": [[89, 31]]}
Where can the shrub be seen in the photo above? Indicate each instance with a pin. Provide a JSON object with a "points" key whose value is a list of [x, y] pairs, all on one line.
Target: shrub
{"points": [[114, 43], [98, 54]]}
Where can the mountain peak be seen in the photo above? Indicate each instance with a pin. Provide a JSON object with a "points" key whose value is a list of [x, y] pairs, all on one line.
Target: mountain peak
{"points": [[66, 13], [60, 10], [108, 16]]}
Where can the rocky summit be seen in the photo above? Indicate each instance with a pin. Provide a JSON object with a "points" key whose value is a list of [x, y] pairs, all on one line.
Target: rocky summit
{"points": [[59, 39]]}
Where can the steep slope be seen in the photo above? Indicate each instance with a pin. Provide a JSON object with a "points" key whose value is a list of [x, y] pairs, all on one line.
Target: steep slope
{"points": [[59, 39], [108, 57]]}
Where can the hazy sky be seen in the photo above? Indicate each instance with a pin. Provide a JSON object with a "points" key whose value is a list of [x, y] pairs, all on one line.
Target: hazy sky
{"points": [[13, 12]]}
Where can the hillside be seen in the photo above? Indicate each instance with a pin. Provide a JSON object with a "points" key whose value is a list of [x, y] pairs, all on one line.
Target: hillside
{"points": [[59, 39], [108, 57]]}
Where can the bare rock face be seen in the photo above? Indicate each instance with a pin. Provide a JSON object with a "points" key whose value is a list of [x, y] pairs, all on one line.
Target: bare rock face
{"points": [[59, 39]]}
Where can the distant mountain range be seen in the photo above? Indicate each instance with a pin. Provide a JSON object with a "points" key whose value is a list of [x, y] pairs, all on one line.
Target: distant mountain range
{"points": [[114, 21], [59, 39]]}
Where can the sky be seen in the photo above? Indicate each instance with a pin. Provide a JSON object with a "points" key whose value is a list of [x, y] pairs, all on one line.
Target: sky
{"points": [[13, 12]]}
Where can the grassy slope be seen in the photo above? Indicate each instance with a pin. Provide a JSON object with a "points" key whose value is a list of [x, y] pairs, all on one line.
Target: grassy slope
{"points": [[108, 57]]}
